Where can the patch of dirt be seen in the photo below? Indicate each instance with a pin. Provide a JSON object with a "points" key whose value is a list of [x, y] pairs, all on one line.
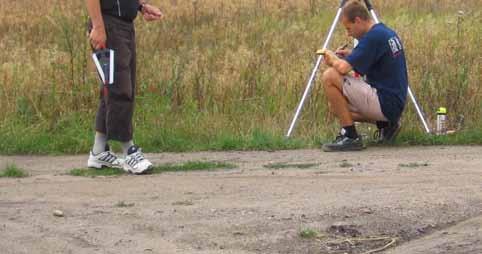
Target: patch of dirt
{"points": [[356, 202]]}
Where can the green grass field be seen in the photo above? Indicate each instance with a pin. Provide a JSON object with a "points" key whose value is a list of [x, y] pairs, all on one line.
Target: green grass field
{"points": [[224, 75]]}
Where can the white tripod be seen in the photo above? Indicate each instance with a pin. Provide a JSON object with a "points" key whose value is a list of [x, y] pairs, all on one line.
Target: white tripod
{"points": [[320, 58]]}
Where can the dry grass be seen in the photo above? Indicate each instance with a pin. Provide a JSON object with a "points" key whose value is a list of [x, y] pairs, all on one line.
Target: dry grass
{"points": [[237, 65]]}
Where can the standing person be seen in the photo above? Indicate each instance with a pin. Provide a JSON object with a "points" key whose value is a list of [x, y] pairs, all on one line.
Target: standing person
{"points": [[112, 26], [380, 57]]}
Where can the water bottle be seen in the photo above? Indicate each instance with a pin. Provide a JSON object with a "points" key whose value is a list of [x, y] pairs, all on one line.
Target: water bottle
{"points": [[441, 121]]}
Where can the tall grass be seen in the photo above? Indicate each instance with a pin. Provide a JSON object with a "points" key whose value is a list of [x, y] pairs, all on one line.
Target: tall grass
{"points": [[219, 74]]}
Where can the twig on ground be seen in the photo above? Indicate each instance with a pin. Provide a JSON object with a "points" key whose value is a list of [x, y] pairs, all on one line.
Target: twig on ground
{"points": [[393, 241], [352, 241]]}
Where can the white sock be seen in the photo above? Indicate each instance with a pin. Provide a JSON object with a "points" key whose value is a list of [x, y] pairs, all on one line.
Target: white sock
{"points": [[126, 146], [99, 143]]}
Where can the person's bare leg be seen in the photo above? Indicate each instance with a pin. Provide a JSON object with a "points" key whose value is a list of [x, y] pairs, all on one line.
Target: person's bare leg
{"points": [[349, 139], [333, 86]]}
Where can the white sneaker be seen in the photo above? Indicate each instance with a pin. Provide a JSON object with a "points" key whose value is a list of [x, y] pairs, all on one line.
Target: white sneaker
{"points": [[135, 162], [104, 159]]}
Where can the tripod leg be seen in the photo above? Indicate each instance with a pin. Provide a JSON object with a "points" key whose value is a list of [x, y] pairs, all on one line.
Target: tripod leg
{"points": [[420, 113], [419, 110], [315, 71]]}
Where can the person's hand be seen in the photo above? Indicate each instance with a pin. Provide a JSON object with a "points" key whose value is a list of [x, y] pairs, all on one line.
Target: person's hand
{"points": [[328, 56], [98, 37], [151, 13], [343, 52]]}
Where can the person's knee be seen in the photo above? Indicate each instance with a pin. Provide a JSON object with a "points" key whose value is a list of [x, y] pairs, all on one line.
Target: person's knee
{"points": [[330, 77]]}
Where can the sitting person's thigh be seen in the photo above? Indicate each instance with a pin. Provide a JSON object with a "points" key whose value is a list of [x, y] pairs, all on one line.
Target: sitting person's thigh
{"points": [[362, 99]]}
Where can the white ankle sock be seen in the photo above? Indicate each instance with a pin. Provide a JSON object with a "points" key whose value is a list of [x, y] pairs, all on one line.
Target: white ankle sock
{"points": [[99, 143], [126, 146]]}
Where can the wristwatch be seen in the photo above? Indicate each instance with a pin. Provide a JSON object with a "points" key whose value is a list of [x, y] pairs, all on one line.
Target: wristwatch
{"points": [[141, 6]]}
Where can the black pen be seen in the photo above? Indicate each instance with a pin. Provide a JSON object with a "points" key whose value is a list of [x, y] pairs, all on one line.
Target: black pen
{"points": [[341, 48]]}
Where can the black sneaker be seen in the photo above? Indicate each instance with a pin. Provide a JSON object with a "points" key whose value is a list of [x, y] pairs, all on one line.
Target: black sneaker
{"points": [[343, 143], [387, 134]]}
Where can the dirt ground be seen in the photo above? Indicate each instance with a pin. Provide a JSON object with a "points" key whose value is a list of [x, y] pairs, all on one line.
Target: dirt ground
{"points": [[420, 199]]}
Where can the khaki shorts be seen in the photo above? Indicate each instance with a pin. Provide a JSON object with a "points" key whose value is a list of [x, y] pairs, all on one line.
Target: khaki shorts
{"points": [[362, 99]]}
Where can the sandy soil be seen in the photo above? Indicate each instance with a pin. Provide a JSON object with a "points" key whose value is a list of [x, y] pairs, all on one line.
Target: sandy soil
{"points": [[424, 199]]}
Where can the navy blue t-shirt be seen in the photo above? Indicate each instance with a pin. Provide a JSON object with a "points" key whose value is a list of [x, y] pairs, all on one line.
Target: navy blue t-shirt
{"points": [[380, 56]]}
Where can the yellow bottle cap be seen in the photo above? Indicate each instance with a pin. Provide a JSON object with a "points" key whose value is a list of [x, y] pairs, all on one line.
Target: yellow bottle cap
{"points": [[442, 110]]}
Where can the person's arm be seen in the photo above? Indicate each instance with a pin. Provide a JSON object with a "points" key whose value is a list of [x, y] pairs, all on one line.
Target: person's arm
{"points": [[342, 66], [368, 51], [331, 59], [97, 35]]}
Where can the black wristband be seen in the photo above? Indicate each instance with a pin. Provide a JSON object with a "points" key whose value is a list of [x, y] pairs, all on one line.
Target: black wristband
{"points": [[141, 6]]}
